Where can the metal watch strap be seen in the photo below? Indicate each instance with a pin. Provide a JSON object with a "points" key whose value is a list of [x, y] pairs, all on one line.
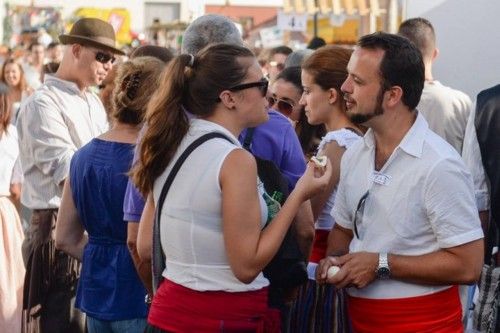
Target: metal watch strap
{"points": [[383, 270], [382, 260]]}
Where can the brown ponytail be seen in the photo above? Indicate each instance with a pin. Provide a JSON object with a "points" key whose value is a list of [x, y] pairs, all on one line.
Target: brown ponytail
{"points": [[188, 82], [161, 136]]}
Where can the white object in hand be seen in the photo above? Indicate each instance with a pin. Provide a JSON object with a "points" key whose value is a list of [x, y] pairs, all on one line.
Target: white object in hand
{"points": [[332, 271], [320, 161]]}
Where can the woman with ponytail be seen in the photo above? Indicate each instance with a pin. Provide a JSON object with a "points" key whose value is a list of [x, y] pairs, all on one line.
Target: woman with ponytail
{"points": [[109, 291], [212, 219]]}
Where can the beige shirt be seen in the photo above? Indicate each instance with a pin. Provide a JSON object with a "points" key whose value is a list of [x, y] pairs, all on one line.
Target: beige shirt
{"points": [[53, 123], [446, 111]]}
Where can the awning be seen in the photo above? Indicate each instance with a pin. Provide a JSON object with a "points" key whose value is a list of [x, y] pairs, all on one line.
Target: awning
{"points": [[336, 7]]}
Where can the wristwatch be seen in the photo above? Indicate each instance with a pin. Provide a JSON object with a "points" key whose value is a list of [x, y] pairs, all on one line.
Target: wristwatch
{"points": [[383, 270]]}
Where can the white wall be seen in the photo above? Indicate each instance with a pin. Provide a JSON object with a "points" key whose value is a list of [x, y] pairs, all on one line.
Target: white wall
{"points": [[468, 37]]}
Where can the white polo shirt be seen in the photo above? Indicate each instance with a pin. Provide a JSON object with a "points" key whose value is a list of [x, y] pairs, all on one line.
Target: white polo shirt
{"points": [[420, 201]]}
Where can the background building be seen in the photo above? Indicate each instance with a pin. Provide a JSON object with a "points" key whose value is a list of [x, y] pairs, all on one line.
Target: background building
{"points": [[467, 31]]}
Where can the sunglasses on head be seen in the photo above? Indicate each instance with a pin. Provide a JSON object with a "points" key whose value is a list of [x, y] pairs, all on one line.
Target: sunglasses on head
{"points": [[261, 84], [280, 105], [104, 57]]}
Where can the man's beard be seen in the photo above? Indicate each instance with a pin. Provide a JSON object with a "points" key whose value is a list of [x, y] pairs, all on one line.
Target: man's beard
{"points": [[363, 118]]}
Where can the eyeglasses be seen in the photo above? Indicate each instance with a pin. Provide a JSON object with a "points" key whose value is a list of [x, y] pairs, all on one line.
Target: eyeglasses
{"points": [[279, 66], [104, 57], [282, 106], [358, 215], [261, 84]]}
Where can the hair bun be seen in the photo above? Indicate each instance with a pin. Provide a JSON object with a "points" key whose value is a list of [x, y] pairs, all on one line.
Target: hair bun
{"points": [[130, 85]]}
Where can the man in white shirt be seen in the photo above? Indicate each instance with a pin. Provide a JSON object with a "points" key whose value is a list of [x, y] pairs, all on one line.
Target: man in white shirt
{"points": [[60, 117], [407, 227], [33, 67], [446, 110]]}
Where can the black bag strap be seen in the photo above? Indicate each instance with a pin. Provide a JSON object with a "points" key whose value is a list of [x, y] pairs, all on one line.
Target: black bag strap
{"points": [[195, 144], [247, 142], [158, 254]]}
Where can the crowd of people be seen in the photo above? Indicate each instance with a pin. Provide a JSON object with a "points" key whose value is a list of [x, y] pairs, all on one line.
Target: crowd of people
{"points": [[137, 191]]}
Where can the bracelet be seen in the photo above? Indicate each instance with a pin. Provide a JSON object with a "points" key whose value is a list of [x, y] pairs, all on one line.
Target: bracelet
{"points": [[148, 299]]}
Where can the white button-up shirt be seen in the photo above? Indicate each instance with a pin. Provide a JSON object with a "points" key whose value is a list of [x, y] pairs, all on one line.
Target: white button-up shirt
{"points": [[53, 123], [471, 154], [421, 200]]}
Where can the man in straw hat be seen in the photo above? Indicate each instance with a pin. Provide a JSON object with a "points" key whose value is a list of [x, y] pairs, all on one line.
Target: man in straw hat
{"points": [[59, 118]]}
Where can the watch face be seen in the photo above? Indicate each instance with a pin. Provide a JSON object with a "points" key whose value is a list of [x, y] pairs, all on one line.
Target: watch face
{"points": [[383, 273]]}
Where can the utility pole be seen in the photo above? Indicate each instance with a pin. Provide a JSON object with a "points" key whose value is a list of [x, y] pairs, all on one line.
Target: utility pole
{"points": [[315, 18]]}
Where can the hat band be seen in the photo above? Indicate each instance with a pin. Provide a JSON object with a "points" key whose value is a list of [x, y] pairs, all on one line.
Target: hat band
{"points": [[99, 39]]}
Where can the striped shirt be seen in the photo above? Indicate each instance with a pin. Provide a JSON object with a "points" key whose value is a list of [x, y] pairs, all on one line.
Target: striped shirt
{"points": [[53, 123]]}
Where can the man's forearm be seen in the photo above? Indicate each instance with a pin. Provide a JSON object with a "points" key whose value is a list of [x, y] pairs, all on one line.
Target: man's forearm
{"points": [[458, 265], [338, 241]]}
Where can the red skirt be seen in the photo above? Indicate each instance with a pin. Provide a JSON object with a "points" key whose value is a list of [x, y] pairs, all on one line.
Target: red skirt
{"points": [[179, 309], [440, 312], [319, 246]]}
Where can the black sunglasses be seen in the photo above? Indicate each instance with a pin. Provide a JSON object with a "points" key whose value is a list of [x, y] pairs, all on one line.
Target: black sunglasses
{"points": [[262, 84], [104, 57], [359, 212], [282, 106]]}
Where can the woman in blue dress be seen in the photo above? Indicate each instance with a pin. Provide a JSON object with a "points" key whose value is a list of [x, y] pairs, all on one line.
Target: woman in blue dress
{"points": [[109, 291]]}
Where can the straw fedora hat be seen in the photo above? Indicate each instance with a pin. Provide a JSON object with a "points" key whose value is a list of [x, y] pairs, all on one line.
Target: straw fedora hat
{"points": [[93, 32]]}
